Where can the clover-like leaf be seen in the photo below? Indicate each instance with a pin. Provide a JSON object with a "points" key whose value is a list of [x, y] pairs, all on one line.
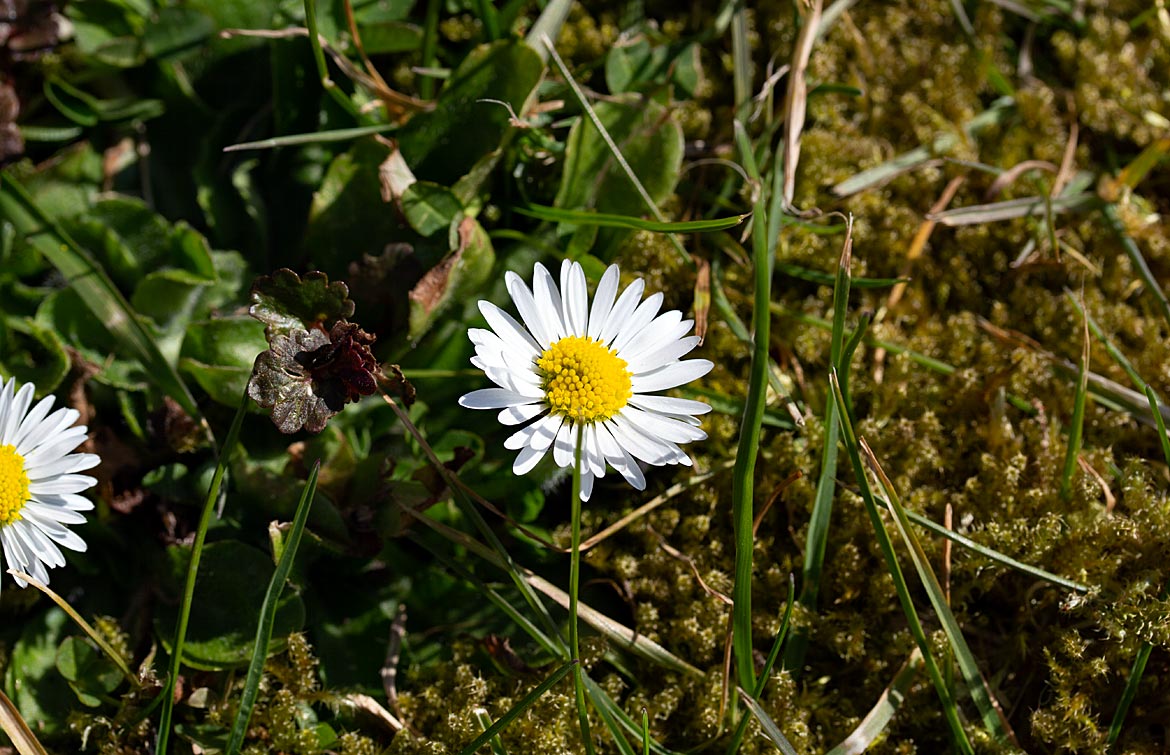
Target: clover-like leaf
{"points": [[286, 302], [308, 376]]}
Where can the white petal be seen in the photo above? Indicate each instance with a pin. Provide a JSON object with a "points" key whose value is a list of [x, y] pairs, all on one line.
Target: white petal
{"points": [[657, 426], [603, 300], [548, 302], [40, 546], [68, 483], [17, 408], [671, 375], [526, 460], [668, 326], [47, 512], [63, 465], [669, 405], [586, 485], [619, 458], [565, 446], [493, 398], [46, 430], [516, 381], [637, 321], [667, 353], [509, 331], [622, 309], [56, 448], [516, 415], [55, 531], [65, 501], [32, 421], [539, 435], [542, 331], [6, 393], [591, 451], [640, 446], [574, 298]]}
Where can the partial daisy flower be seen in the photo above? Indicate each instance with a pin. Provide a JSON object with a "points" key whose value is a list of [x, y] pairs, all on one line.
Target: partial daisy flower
{"points": [[576, 368], [39, 484]]}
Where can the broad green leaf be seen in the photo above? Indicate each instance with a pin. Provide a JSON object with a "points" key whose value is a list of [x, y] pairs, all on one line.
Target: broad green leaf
{"points": [[175, 29], [32, 353], [87, 278], [429, 207], [40, 693], [90, 674], [390, 37], [443, 144], [348, 211], [651, 142], [232, 582]]}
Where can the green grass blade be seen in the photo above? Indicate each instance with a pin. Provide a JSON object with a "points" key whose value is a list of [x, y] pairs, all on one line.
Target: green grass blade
{"points": [[743, 476], [168, 691], [548, 25], [95, 288], [1135, 256], [268, 613], [327, 83], [1016, 208], [485, 722], [1077, 426], [771, 730], [816, 276], [584, 217], [999, 112], [319, 137], [614, 717], [490, 18], [879, 716], [852, 447], [766, 673], [990, 553], [645, 732], [993, 719], [818, 527], [1112, 349], [521, 705], [1139, 663]]}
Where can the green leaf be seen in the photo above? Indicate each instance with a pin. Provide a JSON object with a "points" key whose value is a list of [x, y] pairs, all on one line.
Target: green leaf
{"points": [[429, 207], [232, 582], [175, 29], [633, 63], [651, 142], [348, 212], [32, 353], [94, 287], [31, 678], [390, 37], [268, 611], [219, 354], [443, 144], [90, 674], [521, 705], [457, 277], [285, 302]]}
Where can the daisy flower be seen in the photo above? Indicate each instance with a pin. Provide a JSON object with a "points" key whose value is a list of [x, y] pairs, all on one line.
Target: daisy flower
{"points": [[39, 484], [574, 368]]}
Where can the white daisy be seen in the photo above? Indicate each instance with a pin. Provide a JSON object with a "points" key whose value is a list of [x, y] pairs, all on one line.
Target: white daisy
{"points": [[39, 484], [573, 368]]}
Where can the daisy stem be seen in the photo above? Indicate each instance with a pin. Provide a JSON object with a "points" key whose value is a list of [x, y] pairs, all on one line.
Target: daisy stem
{"points": [[574, 583], [168, 691]]}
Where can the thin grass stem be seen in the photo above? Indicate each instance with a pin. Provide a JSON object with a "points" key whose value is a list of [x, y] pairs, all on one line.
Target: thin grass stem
{"points": [[268, 614], [743, 476], [209, 504], [1076, 428]]}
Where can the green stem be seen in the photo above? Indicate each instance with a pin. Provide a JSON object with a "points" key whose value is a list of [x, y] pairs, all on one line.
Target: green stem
{"points": [[743, 482], [430, 47], [574, 585], [168, 691]]}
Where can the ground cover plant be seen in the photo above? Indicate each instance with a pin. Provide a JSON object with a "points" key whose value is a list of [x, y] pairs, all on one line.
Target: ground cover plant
{"points": [[824, 343]]}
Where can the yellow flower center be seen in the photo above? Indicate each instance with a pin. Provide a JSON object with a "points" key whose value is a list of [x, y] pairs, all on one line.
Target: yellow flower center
{"points": [[13, 485], [584, 380]]}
